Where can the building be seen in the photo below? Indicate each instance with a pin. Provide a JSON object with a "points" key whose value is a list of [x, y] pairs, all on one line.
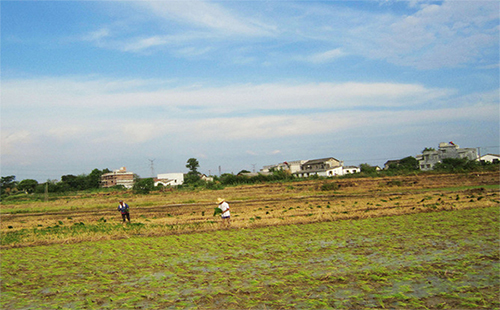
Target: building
{"points": [[292, 166], [206, 178], [325, 167], [118, 177], [350, 170], [393, 162], [428, 159], [169, 179], [490, 158]]}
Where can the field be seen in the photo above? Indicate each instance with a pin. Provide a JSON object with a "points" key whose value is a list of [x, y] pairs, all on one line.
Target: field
{"points": [[424, 241]]}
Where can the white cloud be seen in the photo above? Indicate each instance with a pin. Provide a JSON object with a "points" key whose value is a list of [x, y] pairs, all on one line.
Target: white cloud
{"points": [[140, 131], [208, 15], [325, 56], [317, 124], [446, 35], [115, 95], [449, 34], [97, 35], [95, 114], [193, 51], [140, 44], [13, 139]]}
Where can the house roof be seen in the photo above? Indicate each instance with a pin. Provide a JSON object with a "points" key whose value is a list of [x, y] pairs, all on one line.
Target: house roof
{"points": [[320, 160], [393, 161], [490, 155]]}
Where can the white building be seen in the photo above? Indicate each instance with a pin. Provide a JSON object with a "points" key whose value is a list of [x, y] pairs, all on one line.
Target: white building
{"points": [[324, 167], [206, 178], [170, 179], [350, 169], [491, 158]]}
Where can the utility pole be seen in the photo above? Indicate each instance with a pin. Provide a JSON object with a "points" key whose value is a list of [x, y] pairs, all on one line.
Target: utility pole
{"points": [[46, 194], [253, 165], [152, 168], [219, 171]]}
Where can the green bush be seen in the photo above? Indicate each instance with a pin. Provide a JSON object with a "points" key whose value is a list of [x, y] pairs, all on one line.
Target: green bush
{"points": [[329, 186], [144, 186], [457, 165]]}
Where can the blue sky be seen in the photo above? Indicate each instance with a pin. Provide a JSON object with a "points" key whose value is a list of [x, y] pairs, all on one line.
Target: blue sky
{"points": [[242, 84]]}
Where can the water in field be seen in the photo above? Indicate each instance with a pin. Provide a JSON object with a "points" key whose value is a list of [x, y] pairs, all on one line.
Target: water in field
{"points": [[433, 260]]}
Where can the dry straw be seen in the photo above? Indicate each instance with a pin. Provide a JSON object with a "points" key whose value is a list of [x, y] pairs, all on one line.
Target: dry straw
{"points": [[77, 219]]}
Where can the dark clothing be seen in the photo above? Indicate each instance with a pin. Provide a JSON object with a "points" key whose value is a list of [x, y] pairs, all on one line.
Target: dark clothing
{"points": [[123, 208], [126, 215]]}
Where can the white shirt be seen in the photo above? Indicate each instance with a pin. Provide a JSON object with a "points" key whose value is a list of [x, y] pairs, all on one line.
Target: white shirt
{"points": [[225, 209]]}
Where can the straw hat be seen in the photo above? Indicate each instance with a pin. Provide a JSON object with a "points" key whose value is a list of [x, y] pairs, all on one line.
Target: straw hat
{"points": [[220, 200]]}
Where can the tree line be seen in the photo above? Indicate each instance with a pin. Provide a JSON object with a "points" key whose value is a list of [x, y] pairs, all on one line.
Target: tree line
{"points": [[67, 183], [192, 179]]}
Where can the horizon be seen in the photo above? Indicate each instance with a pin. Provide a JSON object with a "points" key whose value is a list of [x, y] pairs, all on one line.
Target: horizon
{"points": [[261, 168], [241, 84]]}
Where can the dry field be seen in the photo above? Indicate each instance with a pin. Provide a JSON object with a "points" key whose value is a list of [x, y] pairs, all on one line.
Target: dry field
{"points": [[178, 211]]}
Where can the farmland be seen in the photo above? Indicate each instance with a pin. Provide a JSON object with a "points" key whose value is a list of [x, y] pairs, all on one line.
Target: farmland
{"points": [[93, 216], [423, 241]]}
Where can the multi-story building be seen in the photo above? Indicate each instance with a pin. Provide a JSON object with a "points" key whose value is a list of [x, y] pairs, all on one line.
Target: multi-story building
{"points": [[326, 167], [118, 177], [292, 166], [322, 167], [428, 159]]}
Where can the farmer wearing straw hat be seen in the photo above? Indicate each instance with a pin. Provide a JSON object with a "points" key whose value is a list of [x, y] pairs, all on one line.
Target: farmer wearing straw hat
{"points": [[225, 215]]}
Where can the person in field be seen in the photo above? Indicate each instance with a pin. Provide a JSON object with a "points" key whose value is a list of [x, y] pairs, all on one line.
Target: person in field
{"points": [[123, 208], [225, 215]]}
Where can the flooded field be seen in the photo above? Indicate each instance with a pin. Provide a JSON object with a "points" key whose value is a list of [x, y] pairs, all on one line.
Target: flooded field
{"points": [[415, 242], [437, 260]]}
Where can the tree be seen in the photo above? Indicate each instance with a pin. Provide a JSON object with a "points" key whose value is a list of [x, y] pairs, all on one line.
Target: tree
{"points": [[193, 176], [407, 164], [429, 149], [456, 165], [28, 186], [94, 178], [51, 185], [8, 183], [230, 179], [366, 168], [144, 186], [74, 182], [192, 165]]}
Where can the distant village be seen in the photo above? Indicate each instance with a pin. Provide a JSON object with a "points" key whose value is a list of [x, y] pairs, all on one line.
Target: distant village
{"points": [[324, 167]]}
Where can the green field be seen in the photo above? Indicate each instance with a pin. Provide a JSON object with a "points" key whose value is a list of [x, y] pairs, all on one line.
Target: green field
{"points": [[438, 260]]}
